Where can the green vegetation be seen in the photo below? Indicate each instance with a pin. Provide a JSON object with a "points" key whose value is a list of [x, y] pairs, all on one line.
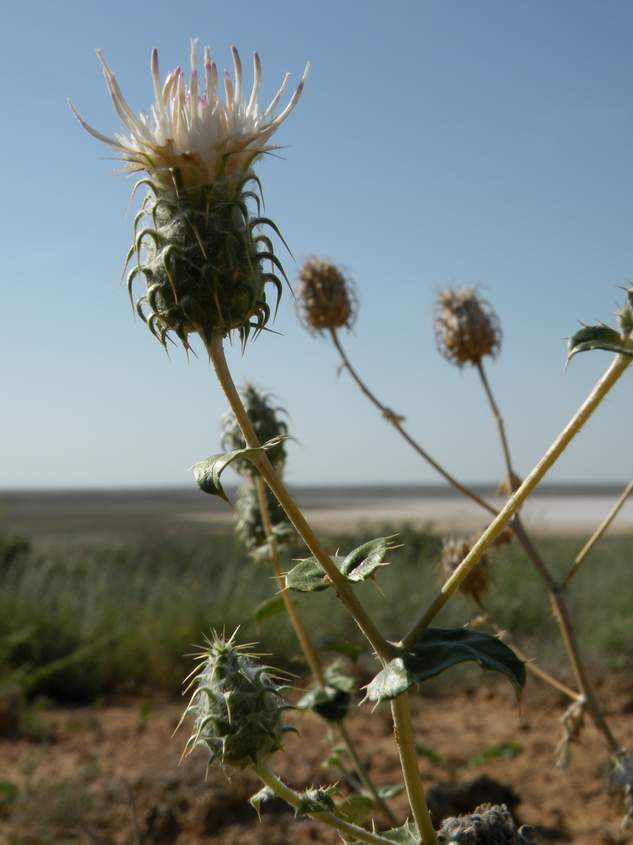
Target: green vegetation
{"points": [[78, 623]]}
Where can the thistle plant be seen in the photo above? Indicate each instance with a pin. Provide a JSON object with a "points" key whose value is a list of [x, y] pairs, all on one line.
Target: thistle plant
{"points": [[198, 243]]}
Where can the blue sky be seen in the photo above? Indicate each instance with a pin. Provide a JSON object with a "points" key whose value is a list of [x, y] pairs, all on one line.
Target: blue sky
{"points": [[436, 142]]}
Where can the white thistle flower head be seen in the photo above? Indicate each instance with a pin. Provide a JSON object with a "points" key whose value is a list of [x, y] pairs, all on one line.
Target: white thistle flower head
{"points": [[207, 263], [191, 130]]}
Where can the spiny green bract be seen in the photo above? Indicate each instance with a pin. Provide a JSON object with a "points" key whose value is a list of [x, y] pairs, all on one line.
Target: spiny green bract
{"points": [[236, 705], [203, 261], [249, 527], [266, 419]]}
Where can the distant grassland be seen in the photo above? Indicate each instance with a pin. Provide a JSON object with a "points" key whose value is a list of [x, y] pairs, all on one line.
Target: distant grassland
{"points": [[77, 623]]}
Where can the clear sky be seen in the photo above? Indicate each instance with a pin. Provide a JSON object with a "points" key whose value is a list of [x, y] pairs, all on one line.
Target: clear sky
{"points": [[436, 142]]}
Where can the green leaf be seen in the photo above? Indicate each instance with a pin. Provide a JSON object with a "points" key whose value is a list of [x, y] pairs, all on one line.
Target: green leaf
{"points": [[405, 835], [598, 337], [355, 808], [345, 647], [502, 751], [359, 565], [207, 473], [438, 649], [269, 607], [391, 790], [332, 701]]}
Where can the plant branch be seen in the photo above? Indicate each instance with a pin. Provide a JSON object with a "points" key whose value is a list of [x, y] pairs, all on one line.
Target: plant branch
{"points": [[559, 606], [380, 645], [597, 534], [352, 831], [403, 730], [601, 389], [309, 652], [396, 421]]}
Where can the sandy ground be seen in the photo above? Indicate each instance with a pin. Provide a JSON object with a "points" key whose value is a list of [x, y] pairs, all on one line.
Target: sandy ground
{"points": [[110, 775]]}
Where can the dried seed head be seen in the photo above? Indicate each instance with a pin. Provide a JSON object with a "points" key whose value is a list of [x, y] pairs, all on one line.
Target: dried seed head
{"points": [[489, 824], [326, 298], [249, 527], [454, 550], [621, 778], [572, 721], [236, 705], [266, 419], [466, 326]]}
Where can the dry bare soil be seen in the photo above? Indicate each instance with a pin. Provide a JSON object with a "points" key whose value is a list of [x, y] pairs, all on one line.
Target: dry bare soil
{"points": [[111, 774]]}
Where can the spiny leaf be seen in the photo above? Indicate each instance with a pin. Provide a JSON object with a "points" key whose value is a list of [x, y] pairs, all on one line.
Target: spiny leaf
{"points": [[359, 565], [438, 649], [269, 607], [356, 808], [598, 337], [207, 473], [405, 835], [332, 700]]}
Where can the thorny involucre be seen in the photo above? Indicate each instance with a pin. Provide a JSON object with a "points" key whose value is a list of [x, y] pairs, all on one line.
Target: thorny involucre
{"points": [[203, 261]]}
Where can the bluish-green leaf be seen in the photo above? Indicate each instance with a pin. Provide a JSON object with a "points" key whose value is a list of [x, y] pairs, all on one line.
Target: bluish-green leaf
{"points": [[269, 607], [359, 565], [355, 808], [437, 650], [332, 700], [208, 472], [598, 337]]}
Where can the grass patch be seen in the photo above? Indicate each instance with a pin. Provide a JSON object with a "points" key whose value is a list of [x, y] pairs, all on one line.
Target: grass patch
{"points": [[78, 623]]}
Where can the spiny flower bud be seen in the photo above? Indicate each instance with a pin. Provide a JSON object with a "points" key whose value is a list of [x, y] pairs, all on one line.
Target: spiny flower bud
{"points": [[195, 238], [489, 824], [326, 298], [454, 550], [236, 705], [466, 326], [266, 419], [249, 527]]}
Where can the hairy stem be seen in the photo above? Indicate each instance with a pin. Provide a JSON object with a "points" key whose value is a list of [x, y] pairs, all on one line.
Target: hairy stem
{"points": [[597, 534], [380, 645], [559, 606], [403, 730], [396, 422], [293, 798], [309, 652], [601, 389]]}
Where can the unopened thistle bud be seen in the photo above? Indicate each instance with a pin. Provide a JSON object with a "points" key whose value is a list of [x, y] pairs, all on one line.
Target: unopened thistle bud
{"points": [[466, 326], [196, 241], [489, 824], [266, 419], [454, 550], [236, 705], [249, 527], [326, 298]]}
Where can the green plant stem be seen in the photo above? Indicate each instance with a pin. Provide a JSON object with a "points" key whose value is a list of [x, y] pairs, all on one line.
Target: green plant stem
{"points": [[350, 831], [396, 422], [598, 533], [403, 730], [601, 389], [555, 592], [309, 652], [383, 649]]}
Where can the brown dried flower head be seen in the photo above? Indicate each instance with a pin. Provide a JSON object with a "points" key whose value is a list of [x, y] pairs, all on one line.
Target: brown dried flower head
{"points": [[454, 550], [326, 298], [466, 326]]}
